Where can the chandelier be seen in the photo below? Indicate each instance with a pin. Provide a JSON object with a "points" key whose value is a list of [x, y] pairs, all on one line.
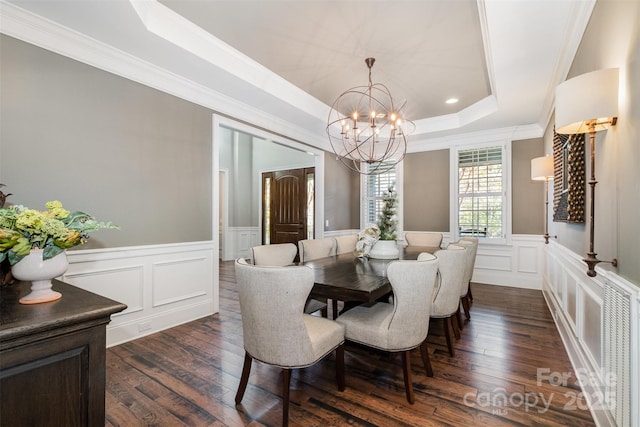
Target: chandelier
{"points": [[367, 131]]}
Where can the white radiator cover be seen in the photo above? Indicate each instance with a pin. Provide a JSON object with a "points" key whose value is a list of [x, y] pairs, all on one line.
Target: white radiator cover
{"points": [[598, 320], [617, 350]]}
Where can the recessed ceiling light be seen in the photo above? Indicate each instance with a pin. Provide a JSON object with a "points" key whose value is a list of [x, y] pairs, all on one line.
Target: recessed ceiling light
{"points": [[451, 100]]}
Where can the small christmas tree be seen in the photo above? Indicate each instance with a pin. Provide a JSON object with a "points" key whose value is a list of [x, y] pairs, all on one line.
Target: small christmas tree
{"points": [[387, 219]]}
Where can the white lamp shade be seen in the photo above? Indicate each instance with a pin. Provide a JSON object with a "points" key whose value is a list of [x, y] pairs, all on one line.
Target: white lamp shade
{"points": [[588, 97], [542, 168]]}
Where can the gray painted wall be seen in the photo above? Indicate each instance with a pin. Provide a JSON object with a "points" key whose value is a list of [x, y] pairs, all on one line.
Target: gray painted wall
{"points": [[341, 195], [105, 145], [612, 39], [426, 191], [527, 195]]}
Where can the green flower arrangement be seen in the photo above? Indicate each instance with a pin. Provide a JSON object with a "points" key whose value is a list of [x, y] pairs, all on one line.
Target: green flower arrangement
{"points": [[53, 230]]}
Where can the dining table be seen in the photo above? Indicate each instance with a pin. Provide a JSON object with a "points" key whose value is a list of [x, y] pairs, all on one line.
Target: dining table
{"points": [[356, 280]]}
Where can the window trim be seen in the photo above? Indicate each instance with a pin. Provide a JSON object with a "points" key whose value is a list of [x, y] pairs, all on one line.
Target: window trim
{"points": [[399, 189], [506, 190]]}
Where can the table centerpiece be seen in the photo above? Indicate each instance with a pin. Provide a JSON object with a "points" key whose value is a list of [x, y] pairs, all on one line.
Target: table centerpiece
{"points": [[34, 243]]}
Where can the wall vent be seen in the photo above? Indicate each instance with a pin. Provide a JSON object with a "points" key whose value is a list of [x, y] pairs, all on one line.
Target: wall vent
{"points": [[617, 353]]}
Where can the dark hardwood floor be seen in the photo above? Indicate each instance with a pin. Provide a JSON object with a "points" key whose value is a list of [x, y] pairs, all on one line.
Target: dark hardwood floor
{"points": [[188, 375]]}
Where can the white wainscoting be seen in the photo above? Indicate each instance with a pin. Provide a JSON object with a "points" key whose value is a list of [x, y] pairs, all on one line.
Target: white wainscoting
{"points": [[582, 313], [238, 242], [518, 264], [162, 285]]}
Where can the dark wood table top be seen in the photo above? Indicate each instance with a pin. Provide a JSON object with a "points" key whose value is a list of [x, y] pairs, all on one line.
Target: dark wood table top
{"points": [[347, 278], [75, 306]]}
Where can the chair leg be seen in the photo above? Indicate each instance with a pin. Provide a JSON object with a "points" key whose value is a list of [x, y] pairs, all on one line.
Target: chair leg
{"points": [[334, 308], [469, 295], [456, 326], [425, 358], [459, 317], [447, 335], [244, 379], [286, 380], [340, 366], [324, 312], [406, 371], [467, 306]]}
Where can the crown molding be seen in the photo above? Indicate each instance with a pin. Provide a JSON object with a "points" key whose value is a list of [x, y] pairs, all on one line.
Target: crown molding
{"points": [[514, 133]]}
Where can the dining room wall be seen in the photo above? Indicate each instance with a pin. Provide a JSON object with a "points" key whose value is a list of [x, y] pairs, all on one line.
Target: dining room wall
{"points": [[341, 195], [611, 39], [527, 198], [126, 153], [426, 191], [103, 144]]}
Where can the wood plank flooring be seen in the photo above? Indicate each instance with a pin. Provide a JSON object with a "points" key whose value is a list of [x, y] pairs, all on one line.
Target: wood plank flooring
{"points": [[188, 375]]}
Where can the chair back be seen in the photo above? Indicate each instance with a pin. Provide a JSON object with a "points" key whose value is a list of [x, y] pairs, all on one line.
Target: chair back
{"points": [[346, 244], [279, 254], [472, 250], [413, 285], [423, 238], [451, 269], [311, 249], [272, 301]]}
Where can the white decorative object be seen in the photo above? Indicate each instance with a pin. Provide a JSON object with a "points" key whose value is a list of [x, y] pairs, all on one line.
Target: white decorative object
{"points": [[39, 272], [385, 249], [367, 237]]}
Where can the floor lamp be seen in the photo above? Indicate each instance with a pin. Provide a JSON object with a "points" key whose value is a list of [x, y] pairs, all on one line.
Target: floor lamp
{"points": [[542, 170], [588, 104]]}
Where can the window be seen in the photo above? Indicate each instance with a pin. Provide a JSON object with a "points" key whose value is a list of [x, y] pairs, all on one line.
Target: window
{"points": [[373, 187], [482, 189]]}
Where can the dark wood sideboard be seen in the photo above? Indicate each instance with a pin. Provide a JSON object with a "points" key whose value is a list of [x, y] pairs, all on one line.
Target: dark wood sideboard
{"points": [[52, 357]]}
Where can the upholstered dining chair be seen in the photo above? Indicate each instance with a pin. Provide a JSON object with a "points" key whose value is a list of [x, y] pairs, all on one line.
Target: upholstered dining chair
{"points": [[275, 331], [471, 243], [423, 238], [402, 325], [310, 249], [475, 255], [451, 271], [280, 255], [346, 244], [276, 255]]}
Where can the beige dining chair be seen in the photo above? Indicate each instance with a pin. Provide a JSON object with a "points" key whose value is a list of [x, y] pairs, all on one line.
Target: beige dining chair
{"points": [[346, 244], [423, 238], [311, 249], [476, 241], [280, 255], [402, 325], [471, 243], [277, 255], [275, 331], [451, 273]]}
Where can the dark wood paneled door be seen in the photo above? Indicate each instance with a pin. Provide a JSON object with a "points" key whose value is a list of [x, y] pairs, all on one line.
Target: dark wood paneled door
{"points": [[287, 205]]}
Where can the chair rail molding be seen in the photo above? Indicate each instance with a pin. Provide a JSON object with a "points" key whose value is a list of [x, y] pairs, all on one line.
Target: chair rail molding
{"points": [[162, 285], [599, 323]]}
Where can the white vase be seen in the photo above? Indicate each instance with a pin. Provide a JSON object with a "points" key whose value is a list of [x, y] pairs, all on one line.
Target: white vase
{"points": [[32, 268], [385, 249]]}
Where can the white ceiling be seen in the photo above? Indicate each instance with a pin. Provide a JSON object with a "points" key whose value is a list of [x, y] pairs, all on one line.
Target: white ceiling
{"points": [[289, 60]]}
